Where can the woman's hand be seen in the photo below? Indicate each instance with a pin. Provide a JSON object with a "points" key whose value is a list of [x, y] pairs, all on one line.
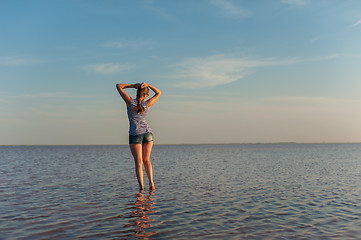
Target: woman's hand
{"points": [[144, 85], [136, 85]]}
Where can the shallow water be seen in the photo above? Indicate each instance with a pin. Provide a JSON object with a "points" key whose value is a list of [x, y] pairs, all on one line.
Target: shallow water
{"points": [[255, 191]]}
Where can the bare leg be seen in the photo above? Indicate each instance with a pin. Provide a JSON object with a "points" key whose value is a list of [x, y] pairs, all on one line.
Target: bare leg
{"points": [[147, 149], [136, 150]]}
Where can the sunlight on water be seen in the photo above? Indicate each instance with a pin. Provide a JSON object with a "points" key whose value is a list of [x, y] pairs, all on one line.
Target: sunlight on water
{"points": [[140, 216], [272, 191]]}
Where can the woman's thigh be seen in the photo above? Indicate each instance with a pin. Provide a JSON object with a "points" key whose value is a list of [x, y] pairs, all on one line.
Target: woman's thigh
{"points": [[137, 152], [147, 150]]}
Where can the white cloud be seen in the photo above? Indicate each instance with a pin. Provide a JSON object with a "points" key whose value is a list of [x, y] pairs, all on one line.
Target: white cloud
{"points": [[152, 6], [314, 100], [44, 96], [316, 39], [160, 12], [135, 44], [219, 69], [55, 95], [332, 56], [294, 2], [14, 61], [106, 68], [229, 9], [356, 23], [298, 100]]}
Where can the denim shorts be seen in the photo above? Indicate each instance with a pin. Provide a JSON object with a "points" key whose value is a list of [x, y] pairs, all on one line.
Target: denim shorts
{"points": [[141, 138]]}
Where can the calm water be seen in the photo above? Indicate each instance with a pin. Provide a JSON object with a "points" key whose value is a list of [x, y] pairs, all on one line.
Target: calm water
{"points": [[262, 191]]}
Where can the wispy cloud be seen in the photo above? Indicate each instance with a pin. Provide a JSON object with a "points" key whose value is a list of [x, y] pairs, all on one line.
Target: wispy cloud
{"points": [[158, 11], [14, 61], [229, 9], [297, 99], [294, 2], [328, 57], [126, 44], [356, 23], [47, 95], [312, 100], [216, 70], [106, 68], [221, 69], [316, 39]]}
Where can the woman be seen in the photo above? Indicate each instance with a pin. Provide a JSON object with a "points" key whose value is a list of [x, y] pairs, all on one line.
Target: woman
{"points": [[140, 134]]}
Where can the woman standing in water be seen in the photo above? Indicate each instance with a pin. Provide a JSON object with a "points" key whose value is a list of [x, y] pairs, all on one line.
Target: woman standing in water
{"points": [[140, 134]]}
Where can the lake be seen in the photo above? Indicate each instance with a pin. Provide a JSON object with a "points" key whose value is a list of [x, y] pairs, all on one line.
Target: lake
{"points": [[232, 191]]}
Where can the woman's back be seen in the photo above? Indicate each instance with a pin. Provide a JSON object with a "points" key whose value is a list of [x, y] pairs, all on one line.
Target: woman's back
{"points": [[138, 121]]}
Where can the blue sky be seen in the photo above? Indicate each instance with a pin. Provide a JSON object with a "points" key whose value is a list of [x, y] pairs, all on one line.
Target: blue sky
{"points": [[230, 71]]}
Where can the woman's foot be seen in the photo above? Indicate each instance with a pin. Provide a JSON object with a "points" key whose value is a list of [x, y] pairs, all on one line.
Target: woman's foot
{"points": [[151, 187]]}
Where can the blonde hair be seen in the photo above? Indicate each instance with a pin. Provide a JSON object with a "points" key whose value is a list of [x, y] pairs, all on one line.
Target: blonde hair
{"points": [[141, 93]]}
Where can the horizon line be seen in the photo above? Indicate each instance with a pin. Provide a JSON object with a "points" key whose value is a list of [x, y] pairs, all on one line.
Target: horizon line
{"points": [[175, 144]]}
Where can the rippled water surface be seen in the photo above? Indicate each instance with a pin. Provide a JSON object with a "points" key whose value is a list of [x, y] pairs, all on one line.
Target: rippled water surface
{"points": [[260, 191]]}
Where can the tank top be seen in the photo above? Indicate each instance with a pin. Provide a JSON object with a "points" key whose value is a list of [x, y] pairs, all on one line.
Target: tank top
{"points": [[138, 121]]}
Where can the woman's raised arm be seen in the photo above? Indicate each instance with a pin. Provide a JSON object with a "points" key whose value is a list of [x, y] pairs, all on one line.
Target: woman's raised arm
{"points": [[120, 87], [153, 99]]}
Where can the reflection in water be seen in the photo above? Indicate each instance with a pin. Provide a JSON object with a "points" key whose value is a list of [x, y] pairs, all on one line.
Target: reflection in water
{"points": [[139, 216]]}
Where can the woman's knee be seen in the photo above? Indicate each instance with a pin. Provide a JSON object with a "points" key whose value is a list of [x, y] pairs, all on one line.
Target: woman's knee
{"points": [[146, 160], [138, 162]]}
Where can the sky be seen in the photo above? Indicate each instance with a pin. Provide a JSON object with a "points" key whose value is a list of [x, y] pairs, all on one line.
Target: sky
{"points": [[229, 71]]}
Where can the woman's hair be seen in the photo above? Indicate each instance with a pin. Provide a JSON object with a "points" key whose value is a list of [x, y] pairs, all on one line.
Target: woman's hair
{"points": [[141, 93]]}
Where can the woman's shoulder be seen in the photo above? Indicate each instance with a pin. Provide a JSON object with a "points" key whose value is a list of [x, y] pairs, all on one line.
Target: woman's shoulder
{"points": [[133, 102]]}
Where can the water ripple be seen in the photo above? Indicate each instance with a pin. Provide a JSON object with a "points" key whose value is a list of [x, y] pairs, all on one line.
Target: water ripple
{"points": [[284, 191]]}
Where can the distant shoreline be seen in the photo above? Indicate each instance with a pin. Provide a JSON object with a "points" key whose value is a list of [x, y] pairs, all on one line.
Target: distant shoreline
{"points": [[179, 144]]}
